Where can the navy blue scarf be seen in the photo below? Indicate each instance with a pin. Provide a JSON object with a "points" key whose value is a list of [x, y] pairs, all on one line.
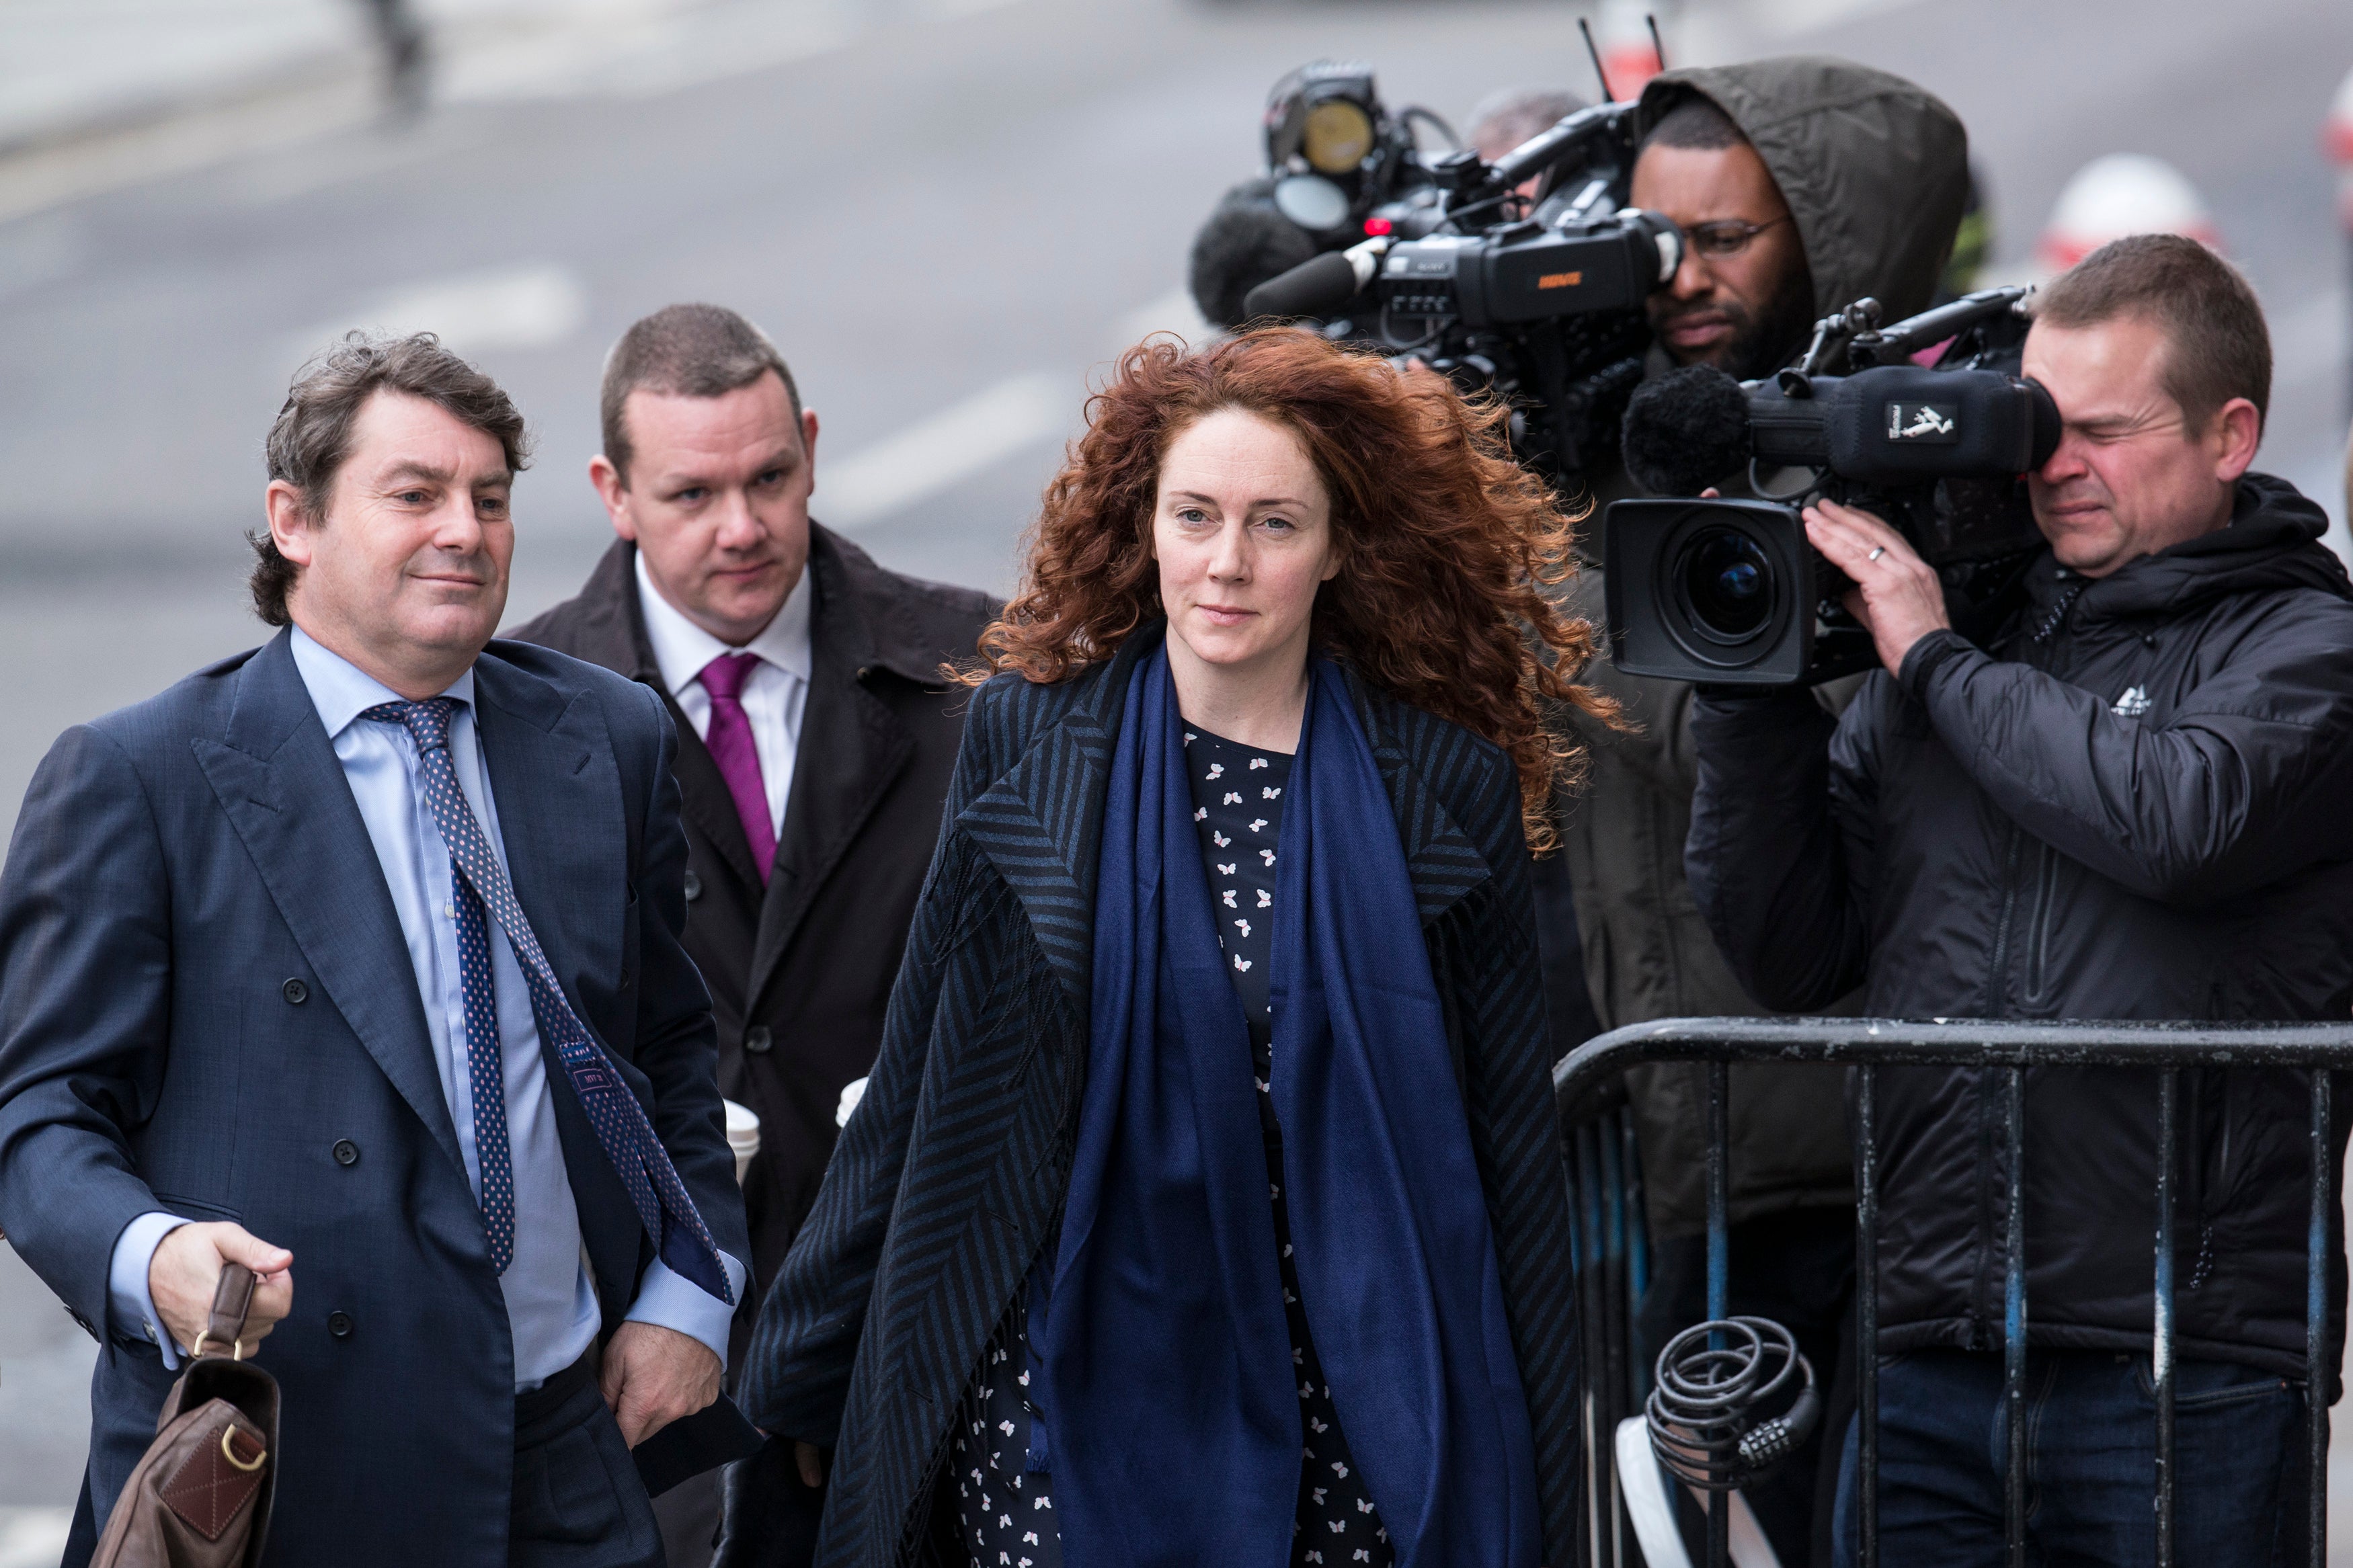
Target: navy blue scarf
{"points": [[1170, 1391]]}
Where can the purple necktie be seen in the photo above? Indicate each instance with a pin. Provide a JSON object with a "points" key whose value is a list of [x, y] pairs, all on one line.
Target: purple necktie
{"points": [[730, 739]]}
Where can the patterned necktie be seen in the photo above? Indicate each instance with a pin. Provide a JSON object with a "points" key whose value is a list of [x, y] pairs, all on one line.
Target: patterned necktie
{"points": [[682, 1241], [732, 747]]}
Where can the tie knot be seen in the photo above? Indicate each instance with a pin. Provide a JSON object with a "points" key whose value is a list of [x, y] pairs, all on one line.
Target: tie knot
{"points": [[724, 676], [428, 722]]}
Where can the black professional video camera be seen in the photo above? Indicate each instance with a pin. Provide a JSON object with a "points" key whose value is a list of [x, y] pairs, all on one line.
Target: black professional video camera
{"points": [[1729, 592], [1537, 299]]}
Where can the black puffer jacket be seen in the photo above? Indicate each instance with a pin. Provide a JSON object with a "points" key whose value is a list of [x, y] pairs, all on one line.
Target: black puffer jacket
{"points": [[2145, 813]]}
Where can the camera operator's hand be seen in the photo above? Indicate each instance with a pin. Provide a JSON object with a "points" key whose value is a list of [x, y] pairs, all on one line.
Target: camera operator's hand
{"points": [[1896, 594]]}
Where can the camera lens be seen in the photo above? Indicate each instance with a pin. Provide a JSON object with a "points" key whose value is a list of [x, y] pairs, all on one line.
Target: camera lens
{"points": [[1726, 583]]}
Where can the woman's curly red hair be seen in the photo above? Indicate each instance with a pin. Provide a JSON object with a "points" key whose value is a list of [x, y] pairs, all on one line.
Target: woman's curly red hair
{"points": [[1447, 543]]}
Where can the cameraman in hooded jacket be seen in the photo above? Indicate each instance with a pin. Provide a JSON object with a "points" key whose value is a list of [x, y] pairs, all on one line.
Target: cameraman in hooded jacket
{"points": [[2134, 803], [1803, 184]]}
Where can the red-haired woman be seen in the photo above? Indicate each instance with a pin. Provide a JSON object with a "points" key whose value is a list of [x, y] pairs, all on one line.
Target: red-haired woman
{"points": [[1204, 1205]]}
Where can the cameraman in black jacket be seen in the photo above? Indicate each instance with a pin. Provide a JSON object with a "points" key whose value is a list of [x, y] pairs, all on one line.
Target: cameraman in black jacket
{"points": [[2137, 804]]}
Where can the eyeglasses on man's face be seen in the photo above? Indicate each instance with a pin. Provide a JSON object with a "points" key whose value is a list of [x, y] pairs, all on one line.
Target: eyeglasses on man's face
{"points": [[1727, 236]]}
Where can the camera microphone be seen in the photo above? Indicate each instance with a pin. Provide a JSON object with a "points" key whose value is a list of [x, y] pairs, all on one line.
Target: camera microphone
{"points": [[1246, 241], [1686, 430], [1890, 425], [1318, 287]]}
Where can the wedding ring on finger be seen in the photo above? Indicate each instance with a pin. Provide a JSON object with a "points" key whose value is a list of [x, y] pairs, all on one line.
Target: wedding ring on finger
{"points": [[1876, 551]]}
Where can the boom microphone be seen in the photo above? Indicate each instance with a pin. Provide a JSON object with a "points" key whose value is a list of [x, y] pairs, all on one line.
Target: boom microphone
{"points": [[1320, 286], [1246, 241], [1686, 430]]}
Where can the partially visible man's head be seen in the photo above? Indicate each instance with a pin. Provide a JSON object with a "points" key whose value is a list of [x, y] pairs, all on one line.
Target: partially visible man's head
{"points": [[2155, 350], [708, 463], [1511, 115], [390, 470], [1743, 299]]}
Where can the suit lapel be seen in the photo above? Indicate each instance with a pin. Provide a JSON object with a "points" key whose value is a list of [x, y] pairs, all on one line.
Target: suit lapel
{"points": [[279, 780], [1041, 824], [851, 747], [557, 790], [1412, 750]]}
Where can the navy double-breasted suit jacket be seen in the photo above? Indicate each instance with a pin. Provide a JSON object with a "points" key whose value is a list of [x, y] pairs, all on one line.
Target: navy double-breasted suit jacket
{"points": [[206, 1007]]}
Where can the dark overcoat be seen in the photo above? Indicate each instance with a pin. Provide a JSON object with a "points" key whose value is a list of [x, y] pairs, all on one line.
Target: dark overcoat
{"points": [[950, 1176], [208, 1007], [800, 970]]}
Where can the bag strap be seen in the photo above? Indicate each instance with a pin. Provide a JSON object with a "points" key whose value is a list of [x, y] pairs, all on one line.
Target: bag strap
{"points": [[231, 1301]]}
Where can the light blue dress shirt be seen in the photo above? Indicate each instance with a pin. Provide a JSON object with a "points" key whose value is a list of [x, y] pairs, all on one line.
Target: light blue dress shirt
{"points": [[551, 1295]]}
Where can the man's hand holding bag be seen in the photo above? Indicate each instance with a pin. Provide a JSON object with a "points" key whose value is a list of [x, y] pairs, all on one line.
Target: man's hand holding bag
{"points": [[200, 1498]]}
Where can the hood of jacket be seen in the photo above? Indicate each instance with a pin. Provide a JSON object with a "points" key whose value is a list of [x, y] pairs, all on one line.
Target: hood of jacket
{"points": [[2273, 542], [1875, 170]]}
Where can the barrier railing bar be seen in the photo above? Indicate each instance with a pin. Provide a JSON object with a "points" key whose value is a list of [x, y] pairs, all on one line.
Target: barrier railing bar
{"points": [[1584, 1249], [1596, 1159], [1867, 1043], [1719, 1138], [1866, 1306], [1949, 1043], [1638, 1261], [2013, 1318], [1613, 1264], [2160, 1345], [2316, 1330], [1719, 1268]]}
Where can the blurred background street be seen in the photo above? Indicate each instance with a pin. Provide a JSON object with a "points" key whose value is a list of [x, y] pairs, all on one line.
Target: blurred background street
{"points": [[948, 214]]}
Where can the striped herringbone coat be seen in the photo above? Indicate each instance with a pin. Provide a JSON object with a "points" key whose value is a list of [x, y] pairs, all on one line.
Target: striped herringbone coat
{"points": [[952, 1171]]}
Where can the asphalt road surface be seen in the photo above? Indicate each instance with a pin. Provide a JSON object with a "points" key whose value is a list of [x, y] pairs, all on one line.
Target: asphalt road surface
{"points": [[949, 216]]}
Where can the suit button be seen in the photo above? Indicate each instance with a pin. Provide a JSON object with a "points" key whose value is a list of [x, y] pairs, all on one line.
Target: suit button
{"points": [[339, 1325], [346, 1152], [694, 887], [294, 991], [756, 1039]]}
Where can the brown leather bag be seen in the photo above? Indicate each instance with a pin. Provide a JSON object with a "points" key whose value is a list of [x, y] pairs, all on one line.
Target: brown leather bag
{"points": [[200, 1498]]}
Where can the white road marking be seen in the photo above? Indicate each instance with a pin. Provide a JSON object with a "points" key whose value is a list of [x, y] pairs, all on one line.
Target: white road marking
{"points": [[945, 449], [526, 307]]}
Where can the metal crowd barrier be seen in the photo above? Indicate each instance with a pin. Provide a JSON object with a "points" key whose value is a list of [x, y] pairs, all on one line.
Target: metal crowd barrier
{"points": [[1606, 1188]]}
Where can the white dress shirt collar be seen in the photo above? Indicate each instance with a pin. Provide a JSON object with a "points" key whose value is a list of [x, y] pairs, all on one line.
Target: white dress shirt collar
{"points": [[682, 649], [341, 690]]}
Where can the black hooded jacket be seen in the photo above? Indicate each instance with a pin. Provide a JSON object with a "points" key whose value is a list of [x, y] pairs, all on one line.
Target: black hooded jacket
{"points": [[1875, 171], [2137, 805]]}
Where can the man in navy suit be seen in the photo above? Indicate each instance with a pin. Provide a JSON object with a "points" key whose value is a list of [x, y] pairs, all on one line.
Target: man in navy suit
{"points": [[355, 959]]}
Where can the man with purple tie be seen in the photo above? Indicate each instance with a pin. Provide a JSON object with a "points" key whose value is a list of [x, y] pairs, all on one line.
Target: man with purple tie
{"points": [[355, 959], [815, 735]]}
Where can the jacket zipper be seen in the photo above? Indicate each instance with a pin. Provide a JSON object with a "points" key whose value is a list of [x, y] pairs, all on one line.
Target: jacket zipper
{"points": [[1996, 970], [1987, 1183]]}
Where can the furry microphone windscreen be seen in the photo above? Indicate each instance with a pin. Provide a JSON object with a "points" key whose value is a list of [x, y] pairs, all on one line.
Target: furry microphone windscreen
{"points": [[1246, 241], [1685, 431]]}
